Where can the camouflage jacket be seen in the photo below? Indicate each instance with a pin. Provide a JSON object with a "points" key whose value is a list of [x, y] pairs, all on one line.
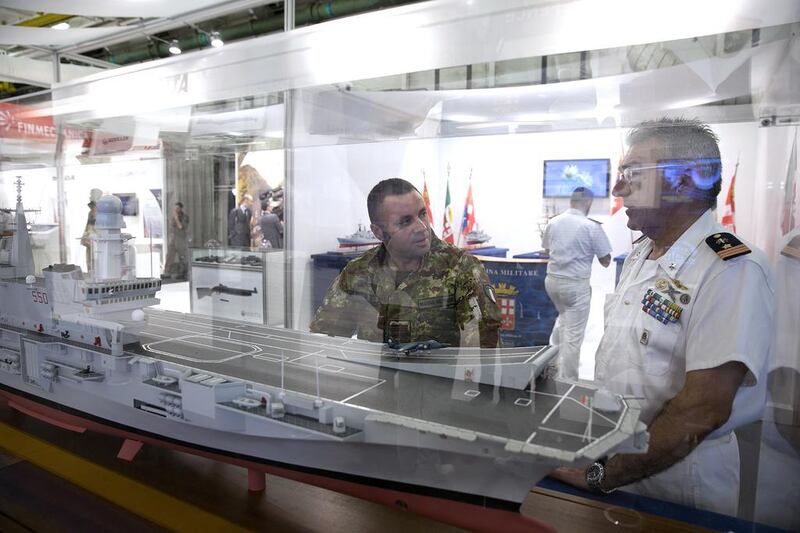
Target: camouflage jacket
{"points": [[448, 299]]}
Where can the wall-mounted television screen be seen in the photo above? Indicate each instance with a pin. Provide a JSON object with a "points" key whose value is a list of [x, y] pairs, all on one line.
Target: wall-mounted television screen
{"points": [[130, 204], [562, 176]]}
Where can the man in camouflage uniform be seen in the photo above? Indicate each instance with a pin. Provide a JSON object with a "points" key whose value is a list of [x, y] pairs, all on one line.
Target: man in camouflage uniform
{"points": [[413, 287]]}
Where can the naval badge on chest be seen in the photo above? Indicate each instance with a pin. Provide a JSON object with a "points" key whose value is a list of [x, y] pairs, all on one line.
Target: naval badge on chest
{"points": [[661, 302]]}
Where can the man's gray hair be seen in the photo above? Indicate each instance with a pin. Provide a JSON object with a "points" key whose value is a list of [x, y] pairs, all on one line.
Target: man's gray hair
{"points": [[685, 139]]}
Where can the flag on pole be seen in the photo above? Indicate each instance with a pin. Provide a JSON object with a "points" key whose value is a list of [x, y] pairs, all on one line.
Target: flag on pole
{"points": [[426, 198], [729, 209], [790, 191], [447, 226], [468, 219], [616, 204]]}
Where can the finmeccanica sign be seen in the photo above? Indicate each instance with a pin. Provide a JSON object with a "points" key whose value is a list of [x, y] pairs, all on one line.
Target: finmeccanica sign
{"points": [[20, 122]]}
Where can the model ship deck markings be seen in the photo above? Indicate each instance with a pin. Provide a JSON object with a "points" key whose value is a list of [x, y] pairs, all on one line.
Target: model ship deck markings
{"points": [[371, 396], [350, 398], [179, 343], [273, 358], [560, 401]]}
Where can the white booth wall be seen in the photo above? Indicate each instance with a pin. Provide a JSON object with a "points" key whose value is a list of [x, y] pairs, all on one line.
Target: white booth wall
{"points": [[331, 183]]}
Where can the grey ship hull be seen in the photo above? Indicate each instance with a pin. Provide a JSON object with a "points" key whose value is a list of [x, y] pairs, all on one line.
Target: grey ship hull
{"points": [[471, 440]]}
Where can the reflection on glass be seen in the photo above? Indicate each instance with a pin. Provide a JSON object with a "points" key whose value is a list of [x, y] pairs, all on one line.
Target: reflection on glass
{"points": [[414, 337]]}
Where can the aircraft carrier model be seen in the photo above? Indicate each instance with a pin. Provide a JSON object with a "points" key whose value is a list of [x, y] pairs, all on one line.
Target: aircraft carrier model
{"points": [[459, 423]]}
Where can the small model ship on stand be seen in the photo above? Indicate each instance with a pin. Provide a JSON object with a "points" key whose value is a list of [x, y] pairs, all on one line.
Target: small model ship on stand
{"points": [[475, 240], [477, 236], [362, 237]]}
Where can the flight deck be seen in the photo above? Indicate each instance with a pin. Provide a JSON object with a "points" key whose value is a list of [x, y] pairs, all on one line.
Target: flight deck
{"points": [[367, 375]]}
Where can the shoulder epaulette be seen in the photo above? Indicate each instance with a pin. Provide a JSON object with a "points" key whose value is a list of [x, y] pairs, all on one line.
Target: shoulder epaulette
{"points": [[726, 246], [595, 221]]}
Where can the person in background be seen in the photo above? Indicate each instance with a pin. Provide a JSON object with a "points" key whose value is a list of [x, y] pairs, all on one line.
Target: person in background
{"points": [[239, 223], [270, 227], [689, 328], [176, 263], [88, 231], [572, 240]]}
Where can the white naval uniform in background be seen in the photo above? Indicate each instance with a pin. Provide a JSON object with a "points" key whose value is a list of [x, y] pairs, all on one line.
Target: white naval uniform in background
{"points": [[574, 241], [727, 315], [787, 278]]}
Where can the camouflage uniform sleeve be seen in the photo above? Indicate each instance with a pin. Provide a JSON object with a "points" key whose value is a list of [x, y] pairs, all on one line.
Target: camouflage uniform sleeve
{"points": [[344, 311], [478, 313]]}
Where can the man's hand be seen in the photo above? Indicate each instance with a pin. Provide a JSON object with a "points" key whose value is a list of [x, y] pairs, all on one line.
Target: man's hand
{"points": [[703, 405], [571, 476]]}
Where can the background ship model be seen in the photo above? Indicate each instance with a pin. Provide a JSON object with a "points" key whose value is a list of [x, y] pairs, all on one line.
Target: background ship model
{"points": [[454, 424], [362, 237], [477, 236]]}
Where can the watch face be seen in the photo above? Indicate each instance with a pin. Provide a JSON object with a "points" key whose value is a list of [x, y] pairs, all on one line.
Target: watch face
{"points": [[594, 474]]}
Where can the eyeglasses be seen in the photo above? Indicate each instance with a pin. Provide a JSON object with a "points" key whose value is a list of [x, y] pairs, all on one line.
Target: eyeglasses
{"points": [[636, 173], [709, 167]]}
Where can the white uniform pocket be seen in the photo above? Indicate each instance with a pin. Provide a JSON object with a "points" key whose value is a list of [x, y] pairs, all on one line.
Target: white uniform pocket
{"points": [[660, 346]]}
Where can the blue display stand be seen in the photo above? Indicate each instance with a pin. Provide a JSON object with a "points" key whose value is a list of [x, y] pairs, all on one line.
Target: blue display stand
{"points": [[527, 312], [490, 252], [326, 267], [540, 254]]}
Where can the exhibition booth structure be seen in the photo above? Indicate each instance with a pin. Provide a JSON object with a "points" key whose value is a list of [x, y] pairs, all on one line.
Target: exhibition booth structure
{"points": [[240, 177]]}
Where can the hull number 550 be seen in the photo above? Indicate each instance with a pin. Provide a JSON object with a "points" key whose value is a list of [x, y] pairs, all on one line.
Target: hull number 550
{"points": [[39, 297]]}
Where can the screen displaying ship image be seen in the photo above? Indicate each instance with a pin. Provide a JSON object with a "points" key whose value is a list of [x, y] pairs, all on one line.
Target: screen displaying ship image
{"points": [[562, 176], [130, 204]]}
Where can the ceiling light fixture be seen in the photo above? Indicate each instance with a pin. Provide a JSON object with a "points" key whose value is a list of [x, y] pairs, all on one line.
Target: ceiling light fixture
{"points": [[60, 26], [175, 47], [216, 40]]}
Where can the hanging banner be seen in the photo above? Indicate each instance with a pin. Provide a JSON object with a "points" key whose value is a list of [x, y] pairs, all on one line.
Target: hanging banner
{"points": [[25, 122]]}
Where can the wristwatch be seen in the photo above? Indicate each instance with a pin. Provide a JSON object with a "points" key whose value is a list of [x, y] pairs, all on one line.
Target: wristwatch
{"points": [[595, 474]]}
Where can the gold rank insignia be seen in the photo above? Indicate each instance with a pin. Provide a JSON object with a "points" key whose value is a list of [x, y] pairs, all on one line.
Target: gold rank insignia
{"points": [[726, 246], [679, 284]]}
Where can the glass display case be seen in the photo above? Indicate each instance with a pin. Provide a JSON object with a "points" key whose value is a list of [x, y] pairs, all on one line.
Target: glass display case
{"points": [[692, 349], [238, 284]]}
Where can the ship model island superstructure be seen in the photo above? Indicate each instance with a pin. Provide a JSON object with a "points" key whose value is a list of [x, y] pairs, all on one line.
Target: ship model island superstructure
{"points": [[456, 426], [102, 309]]}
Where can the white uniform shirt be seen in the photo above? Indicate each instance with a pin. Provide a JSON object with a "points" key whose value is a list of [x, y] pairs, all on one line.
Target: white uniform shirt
{"points": [[727, 315], [574, 240], [787, 274]]}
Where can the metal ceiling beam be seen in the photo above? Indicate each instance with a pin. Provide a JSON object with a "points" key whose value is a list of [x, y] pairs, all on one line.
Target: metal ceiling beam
{"points": [[46, 52], [165, 24], [88, 60]]}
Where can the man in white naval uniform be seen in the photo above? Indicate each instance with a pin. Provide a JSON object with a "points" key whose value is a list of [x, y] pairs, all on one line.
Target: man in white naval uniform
{"points": [[572, 240], [688, 329]]}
